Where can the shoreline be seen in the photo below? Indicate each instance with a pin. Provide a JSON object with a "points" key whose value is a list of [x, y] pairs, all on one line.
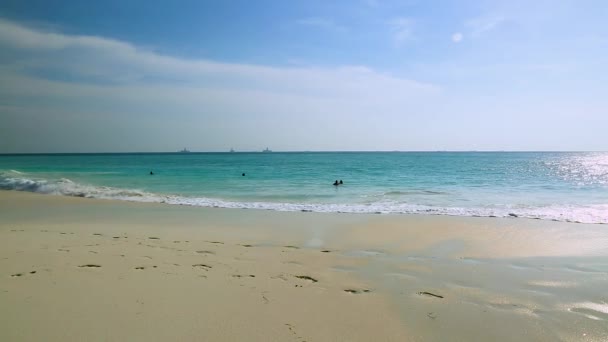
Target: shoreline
{"points": [[213, 203], [263, 275]]}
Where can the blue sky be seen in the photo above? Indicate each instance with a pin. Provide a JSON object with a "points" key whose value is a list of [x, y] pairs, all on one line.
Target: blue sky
{"points": [[303, 75]]}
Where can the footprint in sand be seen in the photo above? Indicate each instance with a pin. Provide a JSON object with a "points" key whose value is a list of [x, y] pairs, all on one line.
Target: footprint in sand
{"points": [[429, 294], [90, 266], [307, 278], [353, 291], [202, 266], [143, 267], [295, 334], [205, 252]]}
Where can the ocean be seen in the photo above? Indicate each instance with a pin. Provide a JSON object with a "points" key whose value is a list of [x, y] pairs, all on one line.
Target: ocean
{"points": [[562, 186]]}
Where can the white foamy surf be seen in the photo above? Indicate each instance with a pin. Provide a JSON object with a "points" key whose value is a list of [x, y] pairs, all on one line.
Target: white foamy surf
{"points": [[15, 180]]}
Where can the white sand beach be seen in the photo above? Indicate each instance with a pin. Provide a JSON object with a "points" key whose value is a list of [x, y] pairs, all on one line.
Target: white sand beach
{"points": [[74, 269]]}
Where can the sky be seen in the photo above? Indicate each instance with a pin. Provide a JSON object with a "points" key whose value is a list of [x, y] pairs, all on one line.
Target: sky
{"points": [[359, 75]]}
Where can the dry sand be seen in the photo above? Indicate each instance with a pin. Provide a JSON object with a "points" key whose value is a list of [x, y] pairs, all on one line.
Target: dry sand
{"points": [[75, 269]]}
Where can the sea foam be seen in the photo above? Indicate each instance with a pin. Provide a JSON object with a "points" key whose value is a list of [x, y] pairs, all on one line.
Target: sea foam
{"points": [[15, 180]]}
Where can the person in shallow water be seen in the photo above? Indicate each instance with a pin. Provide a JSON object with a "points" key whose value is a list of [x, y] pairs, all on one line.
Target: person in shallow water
{"points": [[151, 173], [336, 183], [243, 174], [341, 182]]}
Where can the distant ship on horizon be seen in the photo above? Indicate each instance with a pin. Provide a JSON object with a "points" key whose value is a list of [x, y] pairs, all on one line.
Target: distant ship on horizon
{"points": [[266, 150], [185, 150], [232, 150]]}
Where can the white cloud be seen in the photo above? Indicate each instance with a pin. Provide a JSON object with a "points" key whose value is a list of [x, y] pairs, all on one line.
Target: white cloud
{"points": [[401, 29], [21, 37], [111, 59], [484, 24], [46, 74], [457, 37]]}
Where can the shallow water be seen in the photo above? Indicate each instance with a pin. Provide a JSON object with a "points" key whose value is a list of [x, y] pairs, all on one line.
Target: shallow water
{"points": [[564, 186]]}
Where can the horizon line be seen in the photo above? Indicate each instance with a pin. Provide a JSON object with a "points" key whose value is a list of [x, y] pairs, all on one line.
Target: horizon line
{"points": [[307, 151]]}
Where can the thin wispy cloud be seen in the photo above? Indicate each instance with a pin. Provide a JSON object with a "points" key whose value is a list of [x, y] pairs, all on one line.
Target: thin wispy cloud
{"points": [[484, 24], [83, 56], [49, 72], [401, 30], [111, 58]]}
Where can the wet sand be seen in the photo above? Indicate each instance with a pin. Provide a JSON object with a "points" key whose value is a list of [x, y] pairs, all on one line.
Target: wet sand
{"points": [[83, 269]]}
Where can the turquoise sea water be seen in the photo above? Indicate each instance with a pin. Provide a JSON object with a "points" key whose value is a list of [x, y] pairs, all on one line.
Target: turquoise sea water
{"points": [[565, 186]]}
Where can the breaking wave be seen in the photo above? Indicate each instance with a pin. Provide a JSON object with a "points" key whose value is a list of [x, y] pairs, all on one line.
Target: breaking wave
{"points": [[15, 180]]}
